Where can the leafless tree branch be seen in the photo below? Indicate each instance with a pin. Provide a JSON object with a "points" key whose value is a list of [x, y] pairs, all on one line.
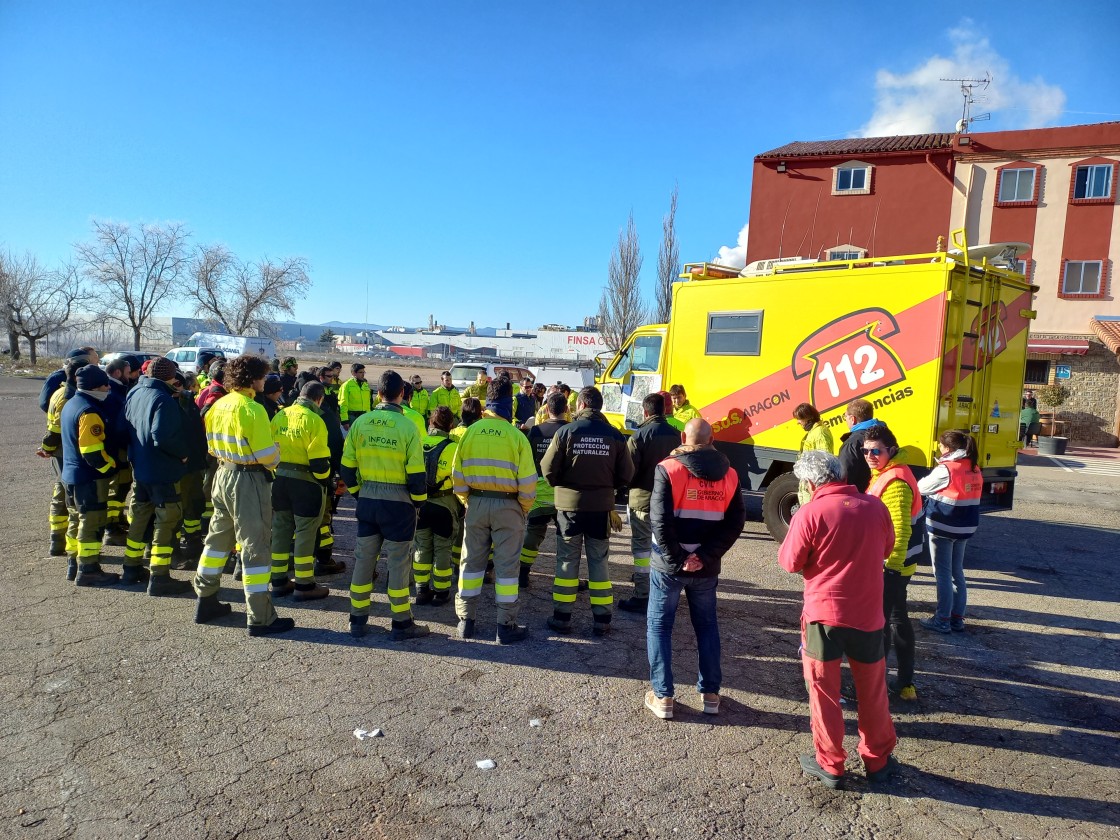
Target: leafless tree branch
{"points": [[37, 301], [621, 308], [668, 261], [240, 297], [132, 272]]}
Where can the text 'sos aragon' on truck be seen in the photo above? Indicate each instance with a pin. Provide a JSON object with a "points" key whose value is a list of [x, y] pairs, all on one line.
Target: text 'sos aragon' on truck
{"points": [[934, 341]]}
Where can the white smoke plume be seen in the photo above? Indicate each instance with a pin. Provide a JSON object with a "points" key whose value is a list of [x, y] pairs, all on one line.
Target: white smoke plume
{"points": [[918, 102], [735, 257]]}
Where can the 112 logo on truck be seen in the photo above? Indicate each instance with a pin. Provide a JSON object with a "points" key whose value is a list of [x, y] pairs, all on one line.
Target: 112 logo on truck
{"points": [[847, 358]]}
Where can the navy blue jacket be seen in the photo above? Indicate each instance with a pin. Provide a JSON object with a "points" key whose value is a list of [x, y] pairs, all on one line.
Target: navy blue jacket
{"points": [[76, 469], [154, 422], [49, 387]]}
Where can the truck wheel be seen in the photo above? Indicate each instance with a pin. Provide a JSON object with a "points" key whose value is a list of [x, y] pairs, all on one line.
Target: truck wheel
{"points": [[778, 505]]}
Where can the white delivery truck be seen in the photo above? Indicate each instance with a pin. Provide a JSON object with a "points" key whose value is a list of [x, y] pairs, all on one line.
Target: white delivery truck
{"points": [[234, 345]]}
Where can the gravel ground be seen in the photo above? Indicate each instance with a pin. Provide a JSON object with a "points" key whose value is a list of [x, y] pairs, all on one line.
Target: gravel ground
{"points": [[124, 719]]}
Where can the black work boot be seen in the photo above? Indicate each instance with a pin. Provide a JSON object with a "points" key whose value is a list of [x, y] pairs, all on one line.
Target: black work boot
{"points": [[561, 622], [602, 625], [281, 587], [810, 768], [441, 597], [359, 625], [404, 630], [325, 564], [91, 574], [465, 630], [71, 568], [634, 604], [424, 595], [523, 576], [508, 634], [192, 547], [311, 592], [165, 586], [134, 575], [58, 543], [210, 608], [115, 535], [278, 625]]}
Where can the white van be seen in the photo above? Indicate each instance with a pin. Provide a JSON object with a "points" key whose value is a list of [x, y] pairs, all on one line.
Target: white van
{"points": [[187, 357], [466, 373], [575, 378]]}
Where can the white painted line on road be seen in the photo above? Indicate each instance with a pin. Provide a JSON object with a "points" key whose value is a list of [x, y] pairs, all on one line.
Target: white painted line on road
{"points": [[1088, 466]]}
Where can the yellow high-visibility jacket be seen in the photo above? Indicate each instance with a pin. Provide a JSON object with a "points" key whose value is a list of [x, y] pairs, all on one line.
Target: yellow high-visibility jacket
{"points": [[237, 431], [494, 456], [385, 448], [353, 396], [301, 434]]}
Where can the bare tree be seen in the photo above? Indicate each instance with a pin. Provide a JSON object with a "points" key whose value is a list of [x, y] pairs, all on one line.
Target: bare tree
{"points": [[133, 271], [246, 296], [621, 308], [668, 261], [7, 297], [39, 302]]}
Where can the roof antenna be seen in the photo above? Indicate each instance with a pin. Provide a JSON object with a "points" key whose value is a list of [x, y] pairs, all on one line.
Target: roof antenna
{"points": [[968, 87]]}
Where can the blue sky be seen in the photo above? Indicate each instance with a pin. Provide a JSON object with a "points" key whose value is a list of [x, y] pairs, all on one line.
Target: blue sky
{"points": [[476, 160]]}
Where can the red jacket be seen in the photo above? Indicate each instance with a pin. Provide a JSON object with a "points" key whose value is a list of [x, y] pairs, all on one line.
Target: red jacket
{"points": [[838, 541]]}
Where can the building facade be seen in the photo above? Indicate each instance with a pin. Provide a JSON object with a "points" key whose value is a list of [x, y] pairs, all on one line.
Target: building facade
{"points": [[1054, 189]]}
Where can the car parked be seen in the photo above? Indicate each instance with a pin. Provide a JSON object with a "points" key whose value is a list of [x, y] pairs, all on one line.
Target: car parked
{"points": [[187, 357], [116, 354]]}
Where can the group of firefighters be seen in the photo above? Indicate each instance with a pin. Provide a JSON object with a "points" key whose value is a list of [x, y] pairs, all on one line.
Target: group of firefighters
{"points": [[239, 469]]}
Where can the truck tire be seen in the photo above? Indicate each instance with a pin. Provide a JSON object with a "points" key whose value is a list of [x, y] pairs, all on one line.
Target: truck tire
{"points": [[778, 505]]}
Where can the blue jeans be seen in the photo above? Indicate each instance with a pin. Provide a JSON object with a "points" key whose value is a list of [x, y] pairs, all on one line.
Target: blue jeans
{"points": [[947, 555], [664, 595]]}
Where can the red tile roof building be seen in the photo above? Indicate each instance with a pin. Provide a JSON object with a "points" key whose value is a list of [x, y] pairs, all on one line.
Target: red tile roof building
{"points": [[1053, 188]]}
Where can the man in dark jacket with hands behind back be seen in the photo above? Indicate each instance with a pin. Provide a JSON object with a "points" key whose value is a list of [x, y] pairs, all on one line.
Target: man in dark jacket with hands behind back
{"points": [[697, 513]]}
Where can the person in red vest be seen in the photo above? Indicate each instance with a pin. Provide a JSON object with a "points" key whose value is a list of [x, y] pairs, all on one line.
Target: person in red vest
{"points": [[894, 484], [837, 542], [696, 514], [952, 505]]}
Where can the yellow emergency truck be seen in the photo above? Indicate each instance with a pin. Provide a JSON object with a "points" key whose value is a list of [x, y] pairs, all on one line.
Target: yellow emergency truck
{"points": [[934, 341]]}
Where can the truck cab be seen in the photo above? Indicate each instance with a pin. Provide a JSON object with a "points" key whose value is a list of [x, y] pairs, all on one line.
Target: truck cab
{"points": [[636, 370]]}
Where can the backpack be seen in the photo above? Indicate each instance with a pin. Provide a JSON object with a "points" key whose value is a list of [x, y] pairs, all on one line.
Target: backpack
{"points": [[431, 463]]}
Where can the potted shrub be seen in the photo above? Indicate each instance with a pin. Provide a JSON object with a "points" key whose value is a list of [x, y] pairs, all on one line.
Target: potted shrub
{"points": [[1052, 396]]}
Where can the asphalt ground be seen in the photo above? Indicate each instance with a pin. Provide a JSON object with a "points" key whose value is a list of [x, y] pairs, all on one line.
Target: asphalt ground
{"points": [[123, 719]]}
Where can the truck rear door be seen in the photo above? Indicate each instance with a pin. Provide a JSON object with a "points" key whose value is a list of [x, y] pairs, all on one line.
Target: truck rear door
{"points": [[986, 328]]}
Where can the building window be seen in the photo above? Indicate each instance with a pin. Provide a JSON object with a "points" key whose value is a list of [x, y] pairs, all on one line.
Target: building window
{"points": [[1082, 277], [1093, 181], [852, 178], [1037, 373], [1016, 185], [846, 252], [734, 334]]}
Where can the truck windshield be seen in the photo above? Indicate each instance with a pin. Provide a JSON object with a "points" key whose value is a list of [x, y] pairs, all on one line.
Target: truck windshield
{"points": [[641, 356]]}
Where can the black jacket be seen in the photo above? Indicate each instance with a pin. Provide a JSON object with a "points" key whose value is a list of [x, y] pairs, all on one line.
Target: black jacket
{"points": [[856, 471], [715, 538], [194, 433], [587, 462], [540, 437], [649, 446]]}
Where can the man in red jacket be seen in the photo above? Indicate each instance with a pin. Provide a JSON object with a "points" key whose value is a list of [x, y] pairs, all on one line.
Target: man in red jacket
{"points": [[837, 541]]}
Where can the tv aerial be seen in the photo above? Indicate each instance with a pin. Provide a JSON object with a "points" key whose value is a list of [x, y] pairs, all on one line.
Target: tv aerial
{"points": [[968, 91]]}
